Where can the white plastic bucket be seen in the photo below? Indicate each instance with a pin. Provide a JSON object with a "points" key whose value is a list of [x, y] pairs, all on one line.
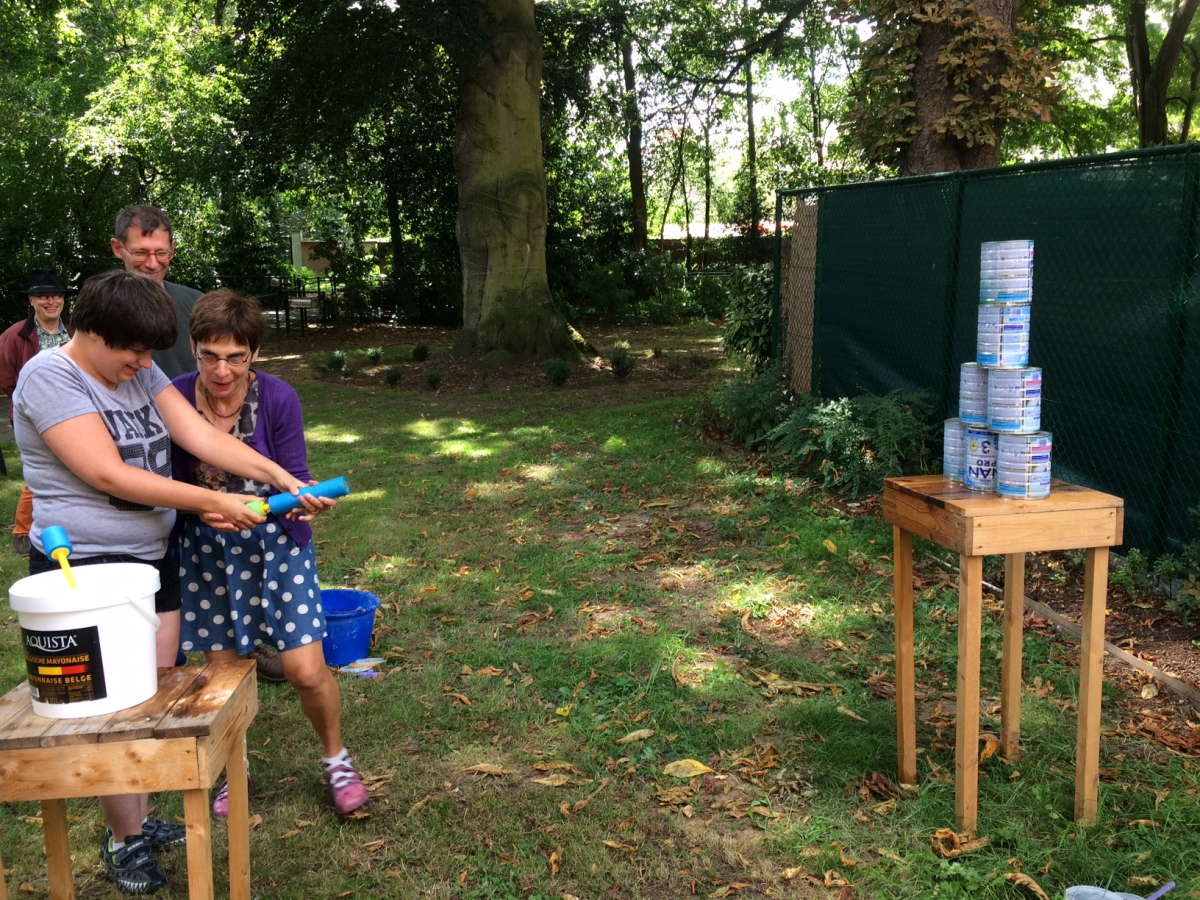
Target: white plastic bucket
{"points": [[953, 449], [1023, 465], [89, 650], [979, 471], [972, 394]]}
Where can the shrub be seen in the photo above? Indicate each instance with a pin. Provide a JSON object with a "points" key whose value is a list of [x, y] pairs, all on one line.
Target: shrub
{"points": [[856, 443], [393, 375], [622, 362], [349, 372], [747, 329], [433, 379], [656, 352], [755, 403], [709, 296], [698, 359], [674, 364], [558, 371], [336, 361], [420, 353], [375, 354]]}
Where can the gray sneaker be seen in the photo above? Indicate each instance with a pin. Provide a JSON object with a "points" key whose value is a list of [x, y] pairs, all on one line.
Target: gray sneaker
{"points": [[21, 544]]}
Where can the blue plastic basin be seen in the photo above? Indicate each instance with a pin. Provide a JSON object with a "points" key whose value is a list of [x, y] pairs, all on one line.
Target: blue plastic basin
{"points": [[349, 621]]}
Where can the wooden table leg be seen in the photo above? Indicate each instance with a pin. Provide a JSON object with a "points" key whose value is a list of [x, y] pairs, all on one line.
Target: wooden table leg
{"points": [[906, 709], [239, 822], [1091, 680], [1011, 657], [58, 850], [966, 696], [199, 844]]}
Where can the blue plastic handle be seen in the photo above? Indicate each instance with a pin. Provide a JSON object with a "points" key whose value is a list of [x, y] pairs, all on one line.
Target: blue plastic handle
{"points": [[284, 503], [54, 537]]}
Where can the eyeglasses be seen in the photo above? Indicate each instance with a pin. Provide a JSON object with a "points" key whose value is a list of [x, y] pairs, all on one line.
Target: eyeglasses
{"points": [[140, 256], [234, 360]]}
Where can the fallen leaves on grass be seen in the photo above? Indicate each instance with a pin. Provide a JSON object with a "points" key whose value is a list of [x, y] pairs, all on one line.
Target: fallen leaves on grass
{"points": [[676, 796], [530, 617], [888, 854], [486, 769], [555, 856], [990, 747], [418, 806], [851, 714], [255, 821], [375, 846], [555, 780], [949, 844], [834, 878], [1143, 881], [775, 684], [1020, 879], [685, 768], [634, 736], [616, 845], [727, 889]]}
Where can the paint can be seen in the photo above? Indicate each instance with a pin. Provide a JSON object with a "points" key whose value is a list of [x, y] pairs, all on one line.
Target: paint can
{"points": [[1023, 465], [1015, 400], [1005, 271], [1003, 334], [953, 449], [979, 470], [972, 394]]}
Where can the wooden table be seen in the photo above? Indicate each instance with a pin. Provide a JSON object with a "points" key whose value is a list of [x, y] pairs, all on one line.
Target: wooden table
{"points": [[179, 740], [976, 524]]}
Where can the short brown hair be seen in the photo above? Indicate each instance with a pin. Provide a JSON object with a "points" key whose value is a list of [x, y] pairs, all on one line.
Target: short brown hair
{"points": [[227, 314], [126, 310], [146, 217]]}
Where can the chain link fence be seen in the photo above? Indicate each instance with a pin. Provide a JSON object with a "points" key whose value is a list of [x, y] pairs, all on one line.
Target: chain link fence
{"points": [[877, 285]]}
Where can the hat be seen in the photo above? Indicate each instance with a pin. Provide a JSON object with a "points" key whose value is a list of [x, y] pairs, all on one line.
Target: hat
{"points": [[44, 281]]}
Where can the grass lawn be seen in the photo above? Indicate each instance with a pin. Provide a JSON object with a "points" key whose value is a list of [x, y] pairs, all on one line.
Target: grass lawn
{"points": [[578, 590]]}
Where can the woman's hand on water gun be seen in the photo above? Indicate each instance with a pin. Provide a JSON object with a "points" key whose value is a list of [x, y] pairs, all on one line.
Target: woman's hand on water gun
{"points": [[229, 512], [312, 506]]}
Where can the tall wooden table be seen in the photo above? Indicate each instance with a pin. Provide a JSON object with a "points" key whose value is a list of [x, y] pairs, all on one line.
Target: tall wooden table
{"points": [[179, 740], [975, 524]]}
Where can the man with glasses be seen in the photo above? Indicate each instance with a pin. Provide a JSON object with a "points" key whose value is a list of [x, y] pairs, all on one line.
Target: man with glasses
{"points": [[144, 241]]}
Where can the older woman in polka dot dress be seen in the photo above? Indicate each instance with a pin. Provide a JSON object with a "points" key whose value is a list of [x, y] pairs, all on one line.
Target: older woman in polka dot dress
{"points": [[244, 588]]}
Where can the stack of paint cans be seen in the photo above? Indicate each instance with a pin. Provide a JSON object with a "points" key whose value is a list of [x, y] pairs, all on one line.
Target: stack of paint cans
{"points": [[1000, 394]]}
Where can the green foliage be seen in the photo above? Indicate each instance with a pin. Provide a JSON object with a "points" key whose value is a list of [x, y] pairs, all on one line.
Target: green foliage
{"points": [[375, 354], [393, 376], [855, 443], [433, 379], [755, 403], [709, 296], [747, 330], [420, 352], [336, 360], [622, 362], [349, 371], [558, 371], [1130, 572]]}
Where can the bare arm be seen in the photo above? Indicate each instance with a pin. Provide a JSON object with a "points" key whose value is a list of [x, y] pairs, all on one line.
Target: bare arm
{"points": [[84, 446], [217, 447]]}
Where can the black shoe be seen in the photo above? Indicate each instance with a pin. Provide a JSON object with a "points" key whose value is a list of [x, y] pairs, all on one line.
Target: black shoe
{"points": [[133, 867], [163, 835]]}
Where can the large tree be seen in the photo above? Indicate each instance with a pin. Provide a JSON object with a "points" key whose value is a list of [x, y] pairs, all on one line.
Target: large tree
{"points": [[502, 191], [1151, 73], [939, 81]]}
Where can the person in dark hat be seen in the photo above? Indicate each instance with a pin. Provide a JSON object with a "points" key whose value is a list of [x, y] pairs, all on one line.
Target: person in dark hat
{"points": [[44, 327]]}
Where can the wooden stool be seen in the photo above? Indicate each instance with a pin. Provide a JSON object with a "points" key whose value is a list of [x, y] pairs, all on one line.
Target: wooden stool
{"points": [[975, 524], [179, 740]]}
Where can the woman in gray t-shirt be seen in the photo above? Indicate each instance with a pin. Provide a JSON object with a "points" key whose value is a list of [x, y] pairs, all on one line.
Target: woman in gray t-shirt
{"points": [[94, 420]]}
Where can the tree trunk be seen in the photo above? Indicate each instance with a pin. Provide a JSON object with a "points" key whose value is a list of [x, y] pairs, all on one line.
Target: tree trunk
{"points": [[633, 147], [392, 199], [751, 152], [1151, 78], [687, 206], [930, 151], [1189, 105], [502, 193]]}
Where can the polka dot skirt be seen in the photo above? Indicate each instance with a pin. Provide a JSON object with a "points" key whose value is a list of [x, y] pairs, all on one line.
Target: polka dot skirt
{"points": [[246, 588]]}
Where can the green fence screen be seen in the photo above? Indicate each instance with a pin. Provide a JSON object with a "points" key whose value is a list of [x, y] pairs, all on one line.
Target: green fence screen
{"points": [[877, 286]]}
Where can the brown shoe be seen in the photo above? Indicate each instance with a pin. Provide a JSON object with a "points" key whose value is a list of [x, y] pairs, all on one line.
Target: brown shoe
{"points": [[270, 666]]}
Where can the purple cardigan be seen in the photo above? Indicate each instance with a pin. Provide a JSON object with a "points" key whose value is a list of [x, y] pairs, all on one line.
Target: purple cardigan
{"points": [[278, 435]]}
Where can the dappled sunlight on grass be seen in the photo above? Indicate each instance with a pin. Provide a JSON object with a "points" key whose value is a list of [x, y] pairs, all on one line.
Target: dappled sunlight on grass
{"points": [[615, 443], [543, 473], [329, 434], [362, 496], [460, 448]]}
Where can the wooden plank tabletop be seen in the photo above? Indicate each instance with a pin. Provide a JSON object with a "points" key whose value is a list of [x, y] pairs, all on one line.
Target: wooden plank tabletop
{"points": [[943, 493], [188, 702]]}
